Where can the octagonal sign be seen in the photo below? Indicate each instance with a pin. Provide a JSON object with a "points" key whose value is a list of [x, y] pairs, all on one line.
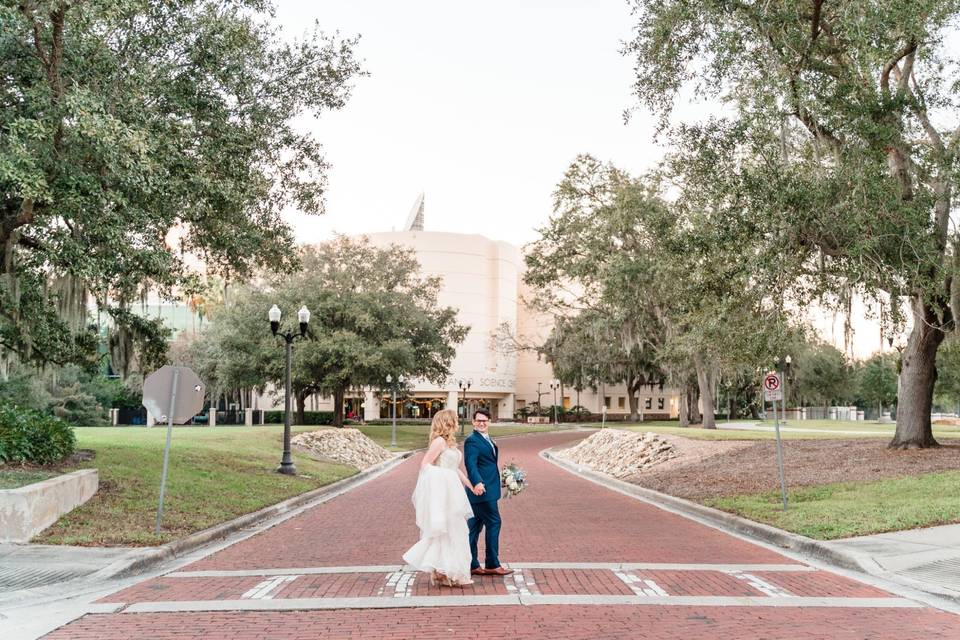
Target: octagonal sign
{"points": [[158, 389]]}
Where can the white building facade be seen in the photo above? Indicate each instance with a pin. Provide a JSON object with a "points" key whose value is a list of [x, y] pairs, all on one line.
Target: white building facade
{"points": [[482, 280]]}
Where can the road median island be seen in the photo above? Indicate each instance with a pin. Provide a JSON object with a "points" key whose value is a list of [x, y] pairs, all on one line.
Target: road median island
{"points": [[837, 488]]}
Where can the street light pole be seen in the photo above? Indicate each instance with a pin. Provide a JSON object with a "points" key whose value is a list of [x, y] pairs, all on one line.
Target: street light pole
{"points": [[464, 386], [554, 385], [786, 374], [393, 408], [303, 316]]}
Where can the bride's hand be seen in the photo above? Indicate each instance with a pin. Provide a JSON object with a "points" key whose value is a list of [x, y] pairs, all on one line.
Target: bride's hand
{"points": [[479, 489]]}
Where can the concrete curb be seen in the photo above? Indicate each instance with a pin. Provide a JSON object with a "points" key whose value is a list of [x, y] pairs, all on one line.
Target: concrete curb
{"points": [[143, 561], [724, 521]]}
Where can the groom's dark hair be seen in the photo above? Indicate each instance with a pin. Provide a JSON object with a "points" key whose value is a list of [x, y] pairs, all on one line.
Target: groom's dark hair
{"points": [[482, 412]]}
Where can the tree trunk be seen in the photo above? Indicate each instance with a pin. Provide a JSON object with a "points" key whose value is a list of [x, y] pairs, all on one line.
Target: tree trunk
{"points": [[917, 377], [301, 400], [684, 407], [732, 411], [693, 398], [706, 392], [634, 407], [338, 407], [633, 385]]}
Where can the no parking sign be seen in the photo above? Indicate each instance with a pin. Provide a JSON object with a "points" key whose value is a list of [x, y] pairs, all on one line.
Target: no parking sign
{"points": [[772, 387]]}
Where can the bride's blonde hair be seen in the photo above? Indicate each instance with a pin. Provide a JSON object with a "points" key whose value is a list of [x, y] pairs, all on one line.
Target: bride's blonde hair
{"points": [[445, 425]]}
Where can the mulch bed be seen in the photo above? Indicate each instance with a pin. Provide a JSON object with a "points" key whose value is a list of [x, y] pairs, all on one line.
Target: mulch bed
{"points": [[753, 468]]}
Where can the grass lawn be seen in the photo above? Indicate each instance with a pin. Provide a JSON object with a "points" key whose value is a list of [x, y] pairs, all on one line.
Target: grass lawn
{"points": [[216, 474], [812, 429], [844, 510], [15, 478]]}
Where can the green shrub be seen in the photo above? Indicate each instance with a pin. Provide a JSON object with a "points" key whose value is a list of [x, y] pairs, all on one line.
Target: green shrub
{"points": [[25, 387], [27, 435], [309, 417], [76, 406]]}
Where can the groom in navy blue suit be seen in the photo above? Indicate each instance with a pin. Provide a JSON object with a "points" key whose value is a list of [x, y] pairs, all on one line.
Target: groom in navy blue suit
{"points": [[480, 455]]}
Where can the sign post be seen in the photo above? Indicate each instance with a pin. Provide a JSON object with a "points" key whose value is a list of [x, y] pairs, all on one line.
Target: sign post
{"points": [[185, 392], [773, 391]]}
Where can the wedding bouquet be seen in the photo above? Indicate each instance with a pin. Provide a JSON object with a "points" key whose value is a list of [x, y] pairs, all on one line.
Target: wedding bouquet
{"points": [[512, 478]]}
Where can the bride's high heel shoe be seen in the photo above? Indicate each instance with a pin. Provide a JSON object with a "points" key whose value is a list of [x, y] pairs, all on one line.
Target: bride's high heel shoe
{"points": [[444, 581]]}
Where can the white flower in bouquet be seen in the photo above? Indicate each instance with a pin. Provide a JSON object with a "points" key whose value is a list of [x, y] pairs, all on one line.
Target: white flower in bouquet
{"points": [[512, 478]]}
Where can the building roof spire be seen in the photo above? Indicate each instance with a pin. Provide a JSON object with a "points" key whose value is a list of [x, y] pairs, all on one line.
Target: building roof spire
{"points": [[415, 219]]}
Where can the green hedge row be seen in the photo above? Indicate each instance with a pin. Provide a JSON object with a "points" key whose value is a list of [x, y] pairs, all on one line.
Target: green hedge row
{"points": [[309, 417], [27, 435]]}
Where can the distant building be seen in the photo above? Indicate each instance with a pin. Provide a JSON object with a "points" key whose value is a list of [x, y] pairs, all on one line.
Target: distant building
{"points": [[482, 279]]}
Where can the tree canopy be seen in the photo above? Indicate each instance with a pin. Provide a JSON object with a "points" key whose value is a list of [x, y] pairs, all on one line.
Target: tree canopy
{"points": [[838, 158], [666, 281], [372, 314], [135, 134]]}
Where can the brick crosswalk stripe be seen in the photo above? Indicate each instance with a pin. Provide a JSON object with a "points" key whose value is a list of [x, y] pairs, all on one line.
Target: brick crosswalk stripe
{"points": [[264, 589]]}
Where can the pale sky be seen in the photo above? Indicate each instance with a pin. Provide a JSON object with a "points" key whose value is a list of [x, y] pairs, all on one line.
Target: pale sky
{"points": [[482, 107]]}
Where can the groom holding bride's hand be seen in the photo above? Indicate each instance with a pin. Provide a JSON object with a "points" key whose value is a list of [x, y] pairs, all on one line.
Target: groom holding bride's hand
{"points": [[480, 455]]}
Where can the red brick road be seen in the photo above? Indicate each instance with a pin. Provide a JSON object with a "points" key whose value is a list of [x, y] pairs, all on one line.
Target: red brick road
{"points": [[559, 519], [554, 622]]}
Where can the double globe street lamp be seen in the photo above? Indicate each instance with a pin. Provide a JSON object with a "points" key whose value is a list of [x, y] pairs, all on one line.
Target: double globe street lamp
{"points": [[303, 317], [393, 408], [555, 384], [464, 386]]}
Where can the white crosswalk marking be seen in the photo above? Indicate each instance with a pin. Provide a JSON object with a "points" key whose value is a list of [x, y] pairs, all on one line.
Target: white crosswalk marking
{"points": [[640, 586], [401, 582], [521, 583], [264, 590], [762, 585]]}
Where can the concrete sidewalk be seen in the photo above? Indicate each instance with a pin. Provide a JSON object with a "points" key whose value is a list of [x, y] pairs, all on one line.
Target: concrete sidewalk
{"points": [[926, 559], [28, 566]]}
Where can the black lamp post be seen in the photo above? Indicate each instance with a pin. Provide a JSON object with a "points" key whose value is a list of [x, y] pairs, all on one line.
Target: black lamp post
{"points": [[303, 316], [464, 386], [787, 361], [554, 384], [393, 408]]}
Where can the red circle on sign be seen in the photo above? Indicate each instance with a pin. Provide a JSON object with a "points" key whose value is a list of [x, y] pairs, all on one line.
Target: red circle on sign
{"points": [[771, 382]]}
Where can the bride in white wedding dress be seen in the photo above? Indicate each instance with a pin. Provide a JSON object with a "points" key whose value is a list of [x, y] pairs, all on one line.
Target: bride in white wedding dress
{"points": [[442, 508]]}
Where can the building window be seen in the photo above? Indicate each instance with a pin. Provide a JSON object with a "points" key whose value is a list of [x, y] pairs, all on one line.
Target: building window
{"points": [[606, 401], [566, 402], [649, 403], [620, 402], [660, 403], [521, 404]]}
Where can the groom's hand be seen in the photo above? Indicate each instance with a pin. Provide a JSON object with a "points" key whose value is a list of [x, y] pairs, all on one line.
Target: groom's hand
{"points": [[479, 489]]}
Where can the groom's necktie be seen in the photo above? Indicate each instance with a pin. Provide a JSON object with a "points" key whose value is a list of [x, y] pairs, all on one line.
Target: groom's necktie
{"points": [[489, 441]]}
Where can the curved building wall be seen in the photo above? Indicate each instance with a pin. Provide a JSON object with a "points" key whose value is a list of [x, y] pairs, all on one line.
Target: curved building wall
{"points": [[480, 279]]}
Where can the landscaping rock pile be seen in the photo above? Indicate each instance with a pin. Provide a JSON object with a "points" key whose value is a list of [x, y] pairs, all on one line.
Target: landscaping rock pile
{"points": [[346, 446], [620, 453]]}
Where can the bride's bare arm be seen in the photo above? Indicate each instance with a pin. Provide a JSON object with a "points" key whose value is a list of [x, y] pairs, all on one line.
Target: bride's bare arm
{"points": [[464, 479], [436, 448]]}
